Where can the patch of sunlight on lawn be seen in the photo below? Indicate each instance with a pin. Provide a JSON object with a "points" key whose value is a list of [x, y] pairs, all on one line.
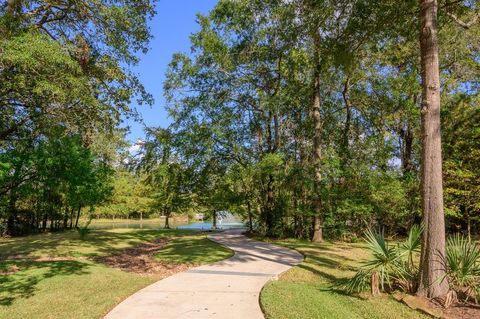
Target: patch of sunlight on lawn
{"points": [[192, 250], [64, 289]]}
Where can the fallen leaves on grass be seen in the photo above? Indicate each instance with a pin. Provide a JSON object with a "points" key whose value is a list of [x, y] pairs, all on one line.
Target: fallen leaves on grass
{"points": [[139, 259]]}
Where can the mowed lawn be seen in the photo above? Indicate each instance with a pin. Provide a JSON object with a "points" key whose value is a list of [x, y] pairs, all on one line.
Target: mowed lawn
{"points": [[52, 275], [312, 289]]}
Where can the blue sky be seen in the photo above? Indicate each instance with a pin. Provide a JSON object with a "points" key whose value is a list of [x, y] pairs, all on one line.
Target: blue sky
{"points": [[171, 29]]}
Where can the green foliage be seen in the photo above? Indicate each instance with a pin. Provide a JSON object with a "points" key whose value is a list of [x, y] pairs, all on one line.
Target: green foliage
{"points": [[412, 244], [462, 260], [130, 197], [64, 82], [393, 264]]}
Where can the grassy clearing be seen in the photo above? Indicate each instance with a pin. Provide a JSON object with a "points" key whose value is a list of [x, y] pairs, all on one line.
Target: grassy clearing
{"points": [[50, 275], [310, 289]]}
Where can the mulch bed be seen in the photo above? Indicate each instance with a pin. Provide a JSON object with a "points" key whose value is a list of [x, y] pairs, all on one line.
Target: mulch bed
{"points": [[458, 310], [140, 259]]}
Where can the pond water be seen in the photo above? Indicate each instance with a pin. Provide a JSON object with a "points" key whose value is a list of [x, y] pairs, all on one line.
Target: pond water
{"points": [[207, 226], [159, 224]]}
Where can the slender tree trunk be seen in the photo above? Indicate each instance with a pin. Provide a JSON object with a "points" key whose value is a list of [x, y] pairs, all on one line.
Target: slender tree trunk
{"points": [[214, 219], [250, 217], [71, 217], [317, 146], [44, 222], [65, 218], [433, 283], [12, 213], [269, 218], [345, 149], [167, 219], [78, 216]]}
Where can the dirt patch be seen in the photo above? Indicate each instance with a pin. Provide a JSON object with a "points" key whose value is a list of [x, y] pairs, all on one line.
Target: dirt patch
{"points": [[458, 310], [140, 260]]}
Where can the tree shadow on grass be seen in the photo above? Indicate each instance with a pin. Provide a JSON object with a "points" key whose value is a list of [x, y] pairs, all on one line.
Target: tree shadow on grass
{"points": [[68, 243], [22, 283], [335, 284]]}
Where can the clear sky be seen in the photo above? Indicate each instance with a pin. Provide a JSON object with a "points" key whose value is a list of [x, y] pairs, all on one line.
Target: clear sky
{"points": [[171, 29]]}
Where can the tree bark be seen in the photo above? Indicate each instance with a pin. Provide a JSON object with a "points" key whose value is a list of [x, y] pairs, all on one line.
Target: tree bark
{"points": [[433, 283], [78, 216], [12, 214], [407, 149], [345, 149], [71, 217], [167, 219], [214, 219], [250, 217], [317, 146]]}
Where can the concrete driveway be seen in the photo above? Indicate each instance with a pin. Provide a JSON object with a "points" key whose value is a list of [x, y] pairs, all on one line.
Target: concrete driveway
{"points": [[228, 289]]}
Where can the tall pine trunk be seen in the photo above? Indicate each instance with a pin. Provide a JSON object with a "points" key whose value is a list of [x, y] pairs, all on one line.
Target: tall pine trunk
{"points": [[433, 283], [317, 145]]}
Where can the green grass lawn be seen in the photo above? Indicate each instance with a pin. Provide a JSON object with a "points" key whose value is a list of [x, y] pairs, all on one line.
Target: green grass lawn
{"points": [[50, 276], [310, 290], [191, 250]]}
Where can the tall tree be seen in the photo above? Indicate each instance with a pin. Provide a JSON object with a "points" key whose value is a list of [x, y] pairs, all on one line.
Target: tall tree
{"points": [[433, 281]]}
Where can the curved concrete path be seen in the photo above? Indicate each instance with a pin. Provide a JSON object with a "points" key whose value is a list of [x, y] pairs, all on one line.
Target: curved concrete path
{"points": [[228, 289]]}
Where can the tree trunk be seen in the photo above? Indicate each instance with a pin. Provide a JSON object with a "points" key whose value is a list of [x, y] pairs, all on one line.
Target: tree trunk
{"points": [[214, 219], [375, 284], [167, 219], [407, 149], [433, 282], [269, 218], [345, 149], [250, 217], [78, 216], [44, 222], [65, 218], [12, 214], [71, 217], [317, 146]]}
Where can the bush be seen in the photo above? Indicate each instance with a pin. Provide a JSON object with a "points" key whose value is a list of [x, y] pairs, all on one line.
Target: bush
{"points": [[462, 260], [392, 265]]}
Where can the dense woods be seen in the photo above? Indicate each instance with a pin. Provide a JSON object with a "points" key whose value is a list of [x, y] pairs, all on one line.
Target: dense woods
{"points": [[309, 119], [311, 112]]}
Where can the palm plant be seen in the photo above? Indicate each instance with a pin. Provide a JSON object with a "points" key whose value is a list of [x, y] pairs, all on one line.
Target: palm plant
{"points": [[463, 265], [393, 264], [412, 244]]}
